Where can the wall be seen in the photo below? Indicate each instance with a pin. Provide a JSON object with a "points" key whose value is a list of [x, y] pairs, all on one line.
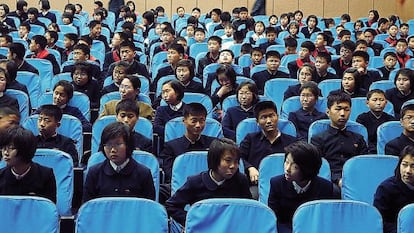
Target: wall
{"points": [[326, 8]]}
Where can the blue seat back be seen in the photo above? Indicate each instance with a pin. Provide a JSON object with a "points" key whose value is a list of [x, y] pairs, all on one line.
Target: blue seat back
{"points": [[329, 85], [45, 69], [175, 128], [144, 83], [288, 58], [197, 48], [274, 89], [292, 104], [190, 97], [139, 215], [359, 106], [32, 83], [220, 215], [339, 216], [382, 85], [387, 132], [320, 126], [22, 100], [362, 174], [406, 219]]}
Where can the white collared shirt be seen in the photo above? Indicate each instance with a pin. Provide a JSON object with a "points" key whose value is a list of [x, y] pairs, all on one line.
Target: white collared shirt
{"points": [[299, 189], [176, 107], [215, 181], [118, 168], [19, 177]]}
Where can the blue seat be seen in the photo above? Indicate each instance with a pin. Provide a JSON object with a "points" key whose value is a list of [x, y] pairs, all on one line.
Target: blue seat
{"points": [[339, 216], [406, 219], [68, 29], [274, 89], [239, 215], [197, 59], [175, 128], [4, 51], [116, 96], [158, 58], [258, 68], [45, 69], [79, 100], [161, 81], [27, 214], [190, 97], [142, 157], [70, 127], [382, 85], [211, 68], [245, 60], [288, 58], [393, 74], [98, 46], [279, 48], [387, 132], [359, 106], [320, 126], [272, 165], [329, 85], [152, 48], [143, 126], [139, 215], [249, 125], [157, 66], [376, 62], [61, 76], [231, 101], [386, 49], [37, 29], [23, 101], [197, 48], [236, 48], [362, 174], [57, 56], [292, 104]]}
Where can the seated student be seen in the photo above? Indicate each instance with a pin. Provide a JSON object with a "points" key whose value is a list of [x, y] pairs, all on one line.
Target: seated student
{"points": [[238, 37], [129, 89], [194, 120], [127, 112], [199, 35], [290, 46], [22, 176], [182, 41], [306, 73], [376, 102], [127, 51], [396, 191], [360, 60], [293, 29], [243, 17], [322, 39], [369, 35], [114, 55], [184, 72], [52, 37], [322, 63], [95, 28], [16, 54], [351, 84], [5, 99], [403, 90], [119, 175], [222, 180], [307, 114], [226, 77], [82, 53], [390, 61], [273, 20], [402, 56], [246, 48], [62, 93], [247, 96], [410, 41], [44, 6], [212, 56], [272, 72], [406, 138], [300, 183], [271, 36], [24, 30], [9, 117], [69, 41], [38, 48], [344, 35], [392, 35], [118, 74], [32, 15], [67, 19], [284, 21], [229, 30], [180, 14], [7, 23], [256, 146], [345, 59], [259, 32], [311, 26], [49, 120], [382, 26], [404, 31], [167, 38], [84, 82], [11, 70], [256, 56], [172, 94], [337, 144], [305, 52]]}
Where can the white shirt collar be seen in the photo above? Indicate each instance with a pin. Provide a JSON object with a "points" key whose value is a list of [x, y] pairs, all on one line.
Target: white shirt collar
{"points": [[19, 177], [299, 189], [118, 168], [176, 107], [215, 181]]}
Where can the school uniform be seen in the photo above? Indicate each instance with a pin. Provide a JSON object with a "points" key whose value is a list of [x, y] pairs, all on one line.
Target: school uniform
{"points": [[141, 142], [164, 114], [91, 89], [194, 87], [25, 66], [303, 119], [261, 77], [294, 66], [205, 61], [292, 91], [110, 88], [308, 32], [8, 101], [385, 72], [397, 99], [59, 142], [145, 110], [94, 69], [44, 54], [232, 118], [74, 111], [395, 146], [327, 76], [370, 77], [340, 66], [215, 99]]}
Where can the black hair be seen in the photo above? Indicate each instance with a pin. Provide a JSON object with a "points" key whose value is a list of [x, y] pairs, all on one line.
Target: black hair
{"points": [[177, 87], [149, 16], [20, 5], [252, 88], [256, 49], [312, 17], [177, 47], [8, 111], [23, 140], [83, 66], [34, 11], [12, 69], [93, 23], [169, 30], [67, 16], [371, 30], [128, 26], [54, 35], [85, 38], [338, 97], [72, 7], [392, 54], [401, 40], [272, 53], [346, 17], [382, 21], [115, 130], [357, 77], [44, 4], [228, 51], [362, 54], [344, 32], [325, 56], [215, 38], [6, 8], [308, 45], [26, 25], [186, 63], [375, 91], [194, 109], [244, 9], [405, 108], [225, 16], [328, 21], [269, 30], [85, 48], [18, 49], [312, 86], [128, 106], [246, 48], [376, 15], [129, 44], [72, 36], [229, 72], [306, 156], [67, 88], [312, 69], [408, 150], [134, 79], [51, 110], [40, 40], [263, 105], [358, 42], [217, 149], [290, 42], [6, 74], [409, 73]]}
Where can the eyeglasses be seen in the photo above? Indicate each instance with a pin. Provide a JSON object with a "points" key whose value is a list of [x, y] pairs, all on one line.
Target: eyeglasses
{"points": [[113, 145], [7, 148], [125, 87]]}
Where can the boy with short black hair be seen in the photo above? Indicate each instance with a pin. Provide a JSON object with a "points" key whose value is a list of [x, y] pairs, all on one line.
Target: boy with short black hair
{"points": [[392, 35], [410, 41], [404, 31], [167, 38], [118, 74], [372, 119], [322, 63], [343, 36], [406, 138], [199, 35], [256, 55], [212, 56], [360, 60], [306, 50], [271, 36], [291, 45], [401, 49], [369, 35], [243, 16], [390, 60], [69, 40], [175, 54], [48, 122], [38, 48]]}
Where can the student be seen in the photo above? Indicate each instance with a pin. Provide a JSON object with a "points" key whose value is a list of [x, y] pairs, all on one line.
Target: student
{"points": [[127, 112], [345, 59], [256, 146], [256, 56], [167, 38], [293, 29], [114, 55], [360, 60], [403, 90], [119, 175], [311, 26], [212, 56], [390, 61], [273, 20], [394, 146], [174, 55], [259, 32], [329, 23], [307, 114], [382, 26], [401, 49], [369, 35], [215, 16], [5, 99], [247, 96], [404, 31], [226, 77], [129, 89], [16, 53], [83, 81], [352, 83], [306, 50], [271, 36], [38, 48], [11, 74], [306, 73], [322, 40], [128, 53], [199, 35], [9, 117], [376, 103], [69, 41], [222, 180], [322, 63], [291, 45], [6, 22], [184, 72], [225, 19], [52, 37], [358, 25], [180, 14], [243, 17], [373, 17], [229, 29], [396, 192], [344, 35], [118, 74], [300, 183], [24, 30], [32, 15], [194, 121], [410, 41], [337, 144], [95, 28], [22, 176], [392, 35], [284, 21], [48, 122], [272, 72]]}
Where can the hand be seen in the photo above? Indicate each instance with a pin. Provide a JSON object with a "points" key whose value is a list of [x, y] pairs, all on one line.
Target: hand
{"points": [[253, 174], [224, 90], [340, 183]]}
